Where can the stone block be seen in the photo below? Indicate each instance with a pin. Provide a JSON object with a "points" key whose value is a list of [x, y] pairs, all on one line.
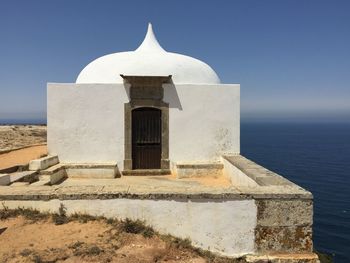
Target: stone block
{"points": [[274, 212], [272, 180], [5, 179], [43, 163], [24, 176], [92, 171], [54, 174], [199, 170], [270, 239], [283, 258]]}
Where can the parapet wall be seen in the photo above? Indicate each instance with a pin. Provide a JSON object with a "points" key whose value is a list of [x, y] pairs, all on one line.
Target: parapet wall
{"points": [[227, 222]]}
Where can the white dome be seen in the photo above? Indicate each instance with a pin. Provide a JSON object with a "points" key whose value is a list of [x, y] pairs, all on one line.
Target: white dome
{"points": [[149, 59]]}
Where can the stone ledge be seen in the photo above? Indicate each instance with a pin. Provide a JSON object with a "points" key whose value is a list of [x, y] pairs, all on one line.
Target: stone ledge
{"points": [[43, 163], [283, 239], [190, 170], [5, 179], [95, 192], [199, 165], [283, 258], [256, 172], [284, 212], [141, 172]]}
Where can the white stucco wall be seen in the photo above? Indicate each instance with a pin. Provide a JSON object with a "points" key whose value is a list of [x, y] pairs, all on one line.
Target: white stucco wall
{"points": [[86, 122], [225, 227], [204, 121]]}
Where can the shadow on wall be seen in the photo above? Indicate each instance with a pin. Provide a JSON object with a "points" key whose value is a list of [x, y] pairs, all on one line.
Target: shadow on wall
{"points": [[172, 96]]}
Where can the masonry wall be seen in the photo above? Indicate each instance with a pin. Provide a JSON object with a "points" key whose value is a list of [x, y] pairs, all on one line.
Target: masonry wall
{"points": [[86, 121]]}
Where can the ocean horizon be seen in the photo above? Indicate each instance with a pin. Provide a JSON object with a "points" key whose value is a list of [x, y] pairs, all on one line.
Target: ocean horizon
{"points": [[315, 156]]}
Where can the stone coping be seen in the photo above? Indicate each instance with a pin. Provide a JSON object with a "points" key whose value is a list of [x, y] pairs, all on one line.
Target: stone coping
{"points": [[89, 165], [261, 175], [181, 191], [142, 172], [199, 165]]}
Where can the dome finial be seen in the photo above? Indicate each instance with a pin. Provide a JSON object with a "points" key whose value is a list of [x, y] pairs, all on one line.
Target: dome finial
{"points": [[150, 43]]}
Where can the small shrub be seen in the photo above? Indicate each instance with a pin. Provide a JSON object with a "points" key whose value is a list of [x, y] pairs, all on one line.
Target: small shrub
{"points": [[60, 218], [148, 232], [85, 250], [181, 243], [110, 221], [26, 252], [137, 227], [82, 218], [94, 250], [76, 245], [28, 213]]}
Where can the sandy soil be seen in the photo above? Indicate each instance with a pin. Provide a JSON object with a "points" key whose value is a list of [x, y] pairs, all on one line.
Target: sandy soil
{"points": [[95, 241], [16, 136], [22, 156]]}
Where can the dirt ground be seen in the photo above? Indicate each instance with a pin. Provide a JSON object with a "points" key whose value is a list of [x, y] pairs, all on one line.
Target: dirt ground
{"points": [[24, 240], [16, 136], [22, 156]]}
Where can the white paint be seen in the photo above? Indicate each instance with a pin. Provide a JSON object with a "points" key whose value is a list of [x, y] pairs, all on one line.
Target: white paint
{"points": [[150, 59], [43, 163], [86, 122], [237, 177], [224, 227], [204, 121]]}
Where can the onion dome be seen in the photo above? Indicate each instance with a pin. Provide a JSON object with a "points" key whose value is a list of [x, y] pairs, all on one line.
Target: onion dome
{"points": [[149, 59]]}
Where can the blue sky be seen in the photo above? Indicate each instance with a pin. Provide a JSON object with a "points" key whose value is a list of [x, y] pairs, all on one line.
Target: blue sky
{"points": [[292, 58]]}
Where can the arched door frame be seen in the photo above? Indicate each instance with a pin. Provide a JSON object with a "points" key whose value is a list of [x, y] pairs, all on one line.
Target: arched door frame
{"points": [[148, 103]]}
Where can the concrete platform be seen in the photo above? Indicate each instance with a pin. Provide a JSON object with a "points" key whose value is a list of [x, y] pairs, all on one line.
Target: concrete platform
{"points": [[238, 213]]}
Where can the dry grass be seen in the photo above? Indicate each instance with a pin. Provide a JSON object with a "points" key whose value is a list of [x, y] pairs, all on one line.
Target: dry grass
{"points": [[113, 240]]}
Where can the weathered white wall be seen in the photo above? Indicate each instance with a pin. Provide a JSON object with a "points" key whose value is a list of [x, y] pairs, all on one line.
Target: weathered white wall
{"points": [[225, 227], [86, 122], [204, 121], [237, 177]]}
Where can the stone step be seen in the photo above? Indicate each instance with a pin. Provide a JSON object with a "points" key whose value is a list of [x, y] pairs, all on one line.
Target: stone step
{"points": [[41, 182], [92, 170], [24, 176], [187, 170], [146, 172], [5, 179], [43, 163], [19, 184]]}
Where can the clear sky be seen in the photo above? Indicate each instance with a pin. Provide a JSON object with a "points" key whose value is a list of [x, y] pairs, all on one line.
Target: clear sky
{"points": [[292, 58]]}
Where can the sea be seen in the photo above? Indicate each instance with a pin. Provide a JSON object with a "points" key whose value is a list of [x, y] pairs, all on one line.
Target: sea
{"points": [[315, 156]]}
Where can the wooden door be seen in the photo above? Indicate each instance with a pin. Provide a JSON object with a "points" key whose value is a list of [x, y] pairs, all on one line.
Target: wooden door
{"points": [[146, 138]]}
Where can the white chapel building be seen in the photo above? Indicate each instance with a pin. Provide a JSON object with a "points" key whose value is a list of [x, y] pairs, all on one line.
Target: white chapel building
{"points": [[147, 109]]}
